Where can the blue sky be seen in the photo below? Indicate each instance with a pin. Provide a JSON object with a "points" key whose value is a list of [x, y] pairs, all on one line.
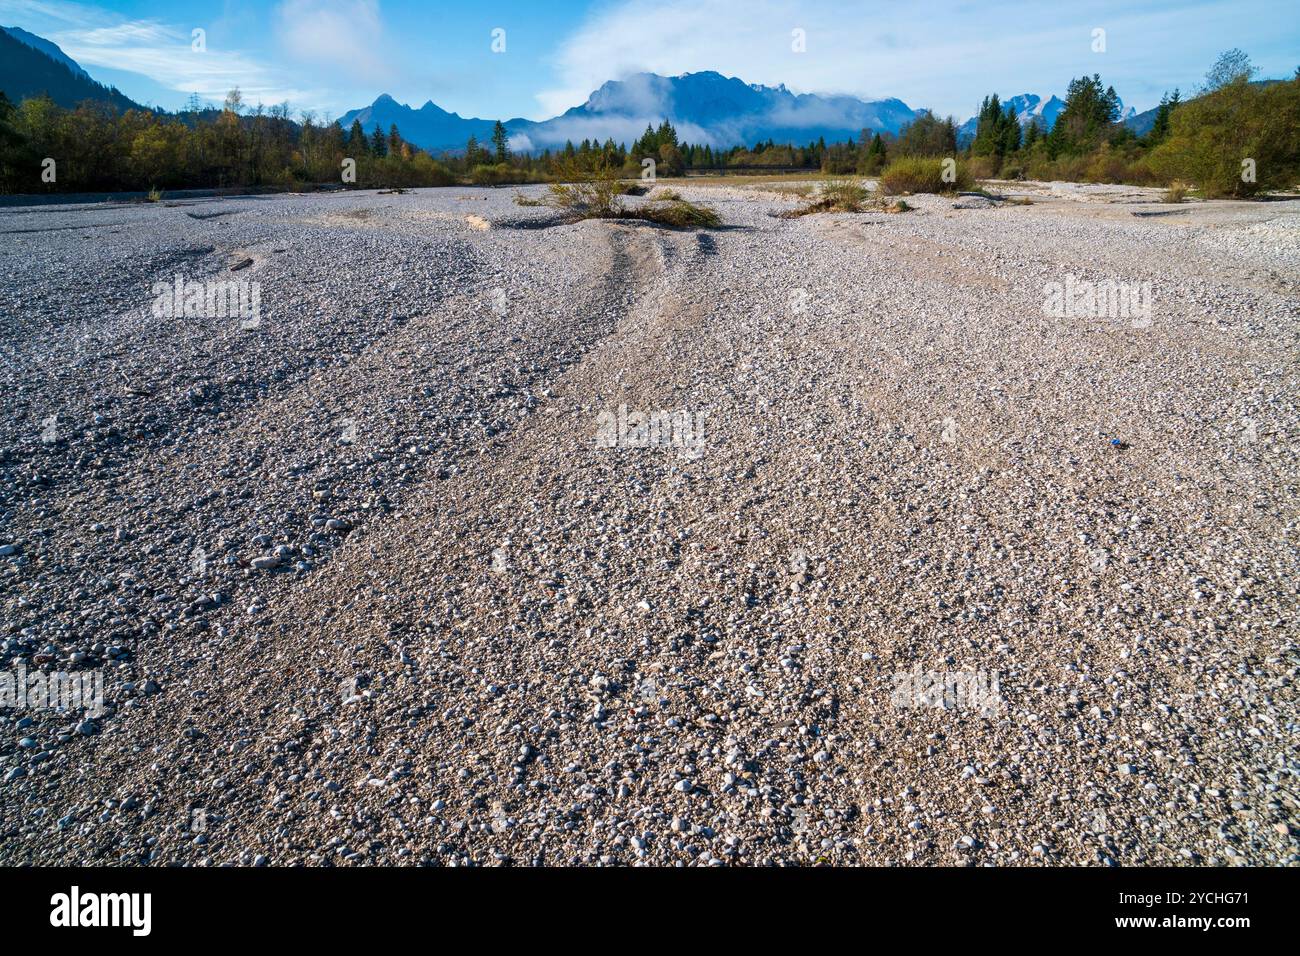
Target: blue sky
{"points": [[333, 55]]}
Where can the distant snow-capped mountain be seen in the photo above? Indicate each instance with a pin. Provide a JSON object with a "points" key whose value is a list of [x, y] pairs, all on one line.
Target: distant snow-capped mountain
{"points": [[1032, 108], [709, 108], [706, 108]]}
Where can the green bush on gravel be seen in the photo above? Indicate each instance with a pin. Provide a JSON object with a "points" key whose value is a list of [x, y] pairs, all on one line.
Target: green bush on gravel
{"points": [[595, 191], [921, 174], [845, 195], [588, 192]]}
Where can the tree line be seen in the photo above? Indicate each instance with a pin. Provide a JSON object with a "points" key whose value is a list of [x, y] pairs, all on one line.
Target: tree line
{"points": [[96, 147], [1234, 138]]}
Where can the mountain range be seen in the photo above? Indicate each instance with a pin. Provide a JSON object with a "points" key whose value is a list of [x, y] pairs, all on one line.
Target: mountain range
{"points": [[705, 107], [47, 47]]}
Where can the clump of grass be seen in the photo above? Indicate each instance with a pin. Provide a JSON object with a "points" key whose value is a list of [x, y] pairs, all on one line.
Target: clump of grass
{"points": [[594, 192], [678, 213], [1177, 191], [917, 174], [522, 200], [589, 192], [155, 195], [664, 194], [839, 195], [802, 190], [843, 195]]}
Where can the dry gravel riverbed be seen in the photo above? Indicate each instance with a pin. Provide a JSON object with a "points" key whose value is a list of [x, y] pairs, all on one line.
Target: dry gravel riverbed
{"points": [[365, 582]]}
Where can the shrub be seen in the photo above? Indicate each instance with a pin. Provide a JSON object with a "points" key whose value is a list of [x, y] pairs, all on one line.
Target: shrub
{"points": [[678, 213], [427, 171], [496, 175], [835, 195], [843, 195], [914, 174], [871, 163], [1072, 169], [846, 195], [590, 192], [1212, 137], [593, 192], [1176, 192], [983, 167], [1106, 165]]}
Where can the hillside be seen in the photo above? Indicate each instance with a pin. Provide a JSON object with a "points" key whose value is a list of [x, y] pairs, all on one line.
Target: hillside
{"points": [[27, 71]]}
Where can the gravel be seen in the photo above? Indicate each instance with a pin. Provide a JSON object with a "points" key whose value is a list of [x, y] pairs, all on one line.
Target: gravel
{"points": [[365, 588]]}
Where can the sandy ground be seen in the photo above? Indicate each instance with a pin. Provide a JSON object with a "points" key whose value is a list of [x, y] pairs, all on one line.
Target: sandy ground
{"points": [[365, 582]]}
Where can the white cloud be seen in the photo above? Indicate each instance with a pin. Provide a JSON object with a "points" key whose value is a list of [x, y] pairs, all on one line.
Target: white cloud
{"points": [[945, 55], [346, 36], [621, 129], [163, 52], [751, 39]]}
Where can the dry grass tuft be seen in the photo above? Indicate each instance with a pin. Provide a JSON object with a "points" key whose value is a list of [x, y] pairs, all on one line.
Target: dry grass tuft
{"points": [[678, 213], [846, 195], [595, 193]]}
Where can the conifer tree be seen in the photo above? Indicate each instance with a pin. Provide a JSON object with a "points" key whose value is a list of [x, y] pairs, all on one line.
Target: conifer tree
{"points": [[500, 139], [357, 144]]}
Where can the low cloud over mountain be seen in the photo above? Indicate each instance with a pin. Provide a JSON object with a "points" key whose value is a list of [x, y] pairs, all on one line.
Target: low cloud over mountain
{"points": [[706, 108]]}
